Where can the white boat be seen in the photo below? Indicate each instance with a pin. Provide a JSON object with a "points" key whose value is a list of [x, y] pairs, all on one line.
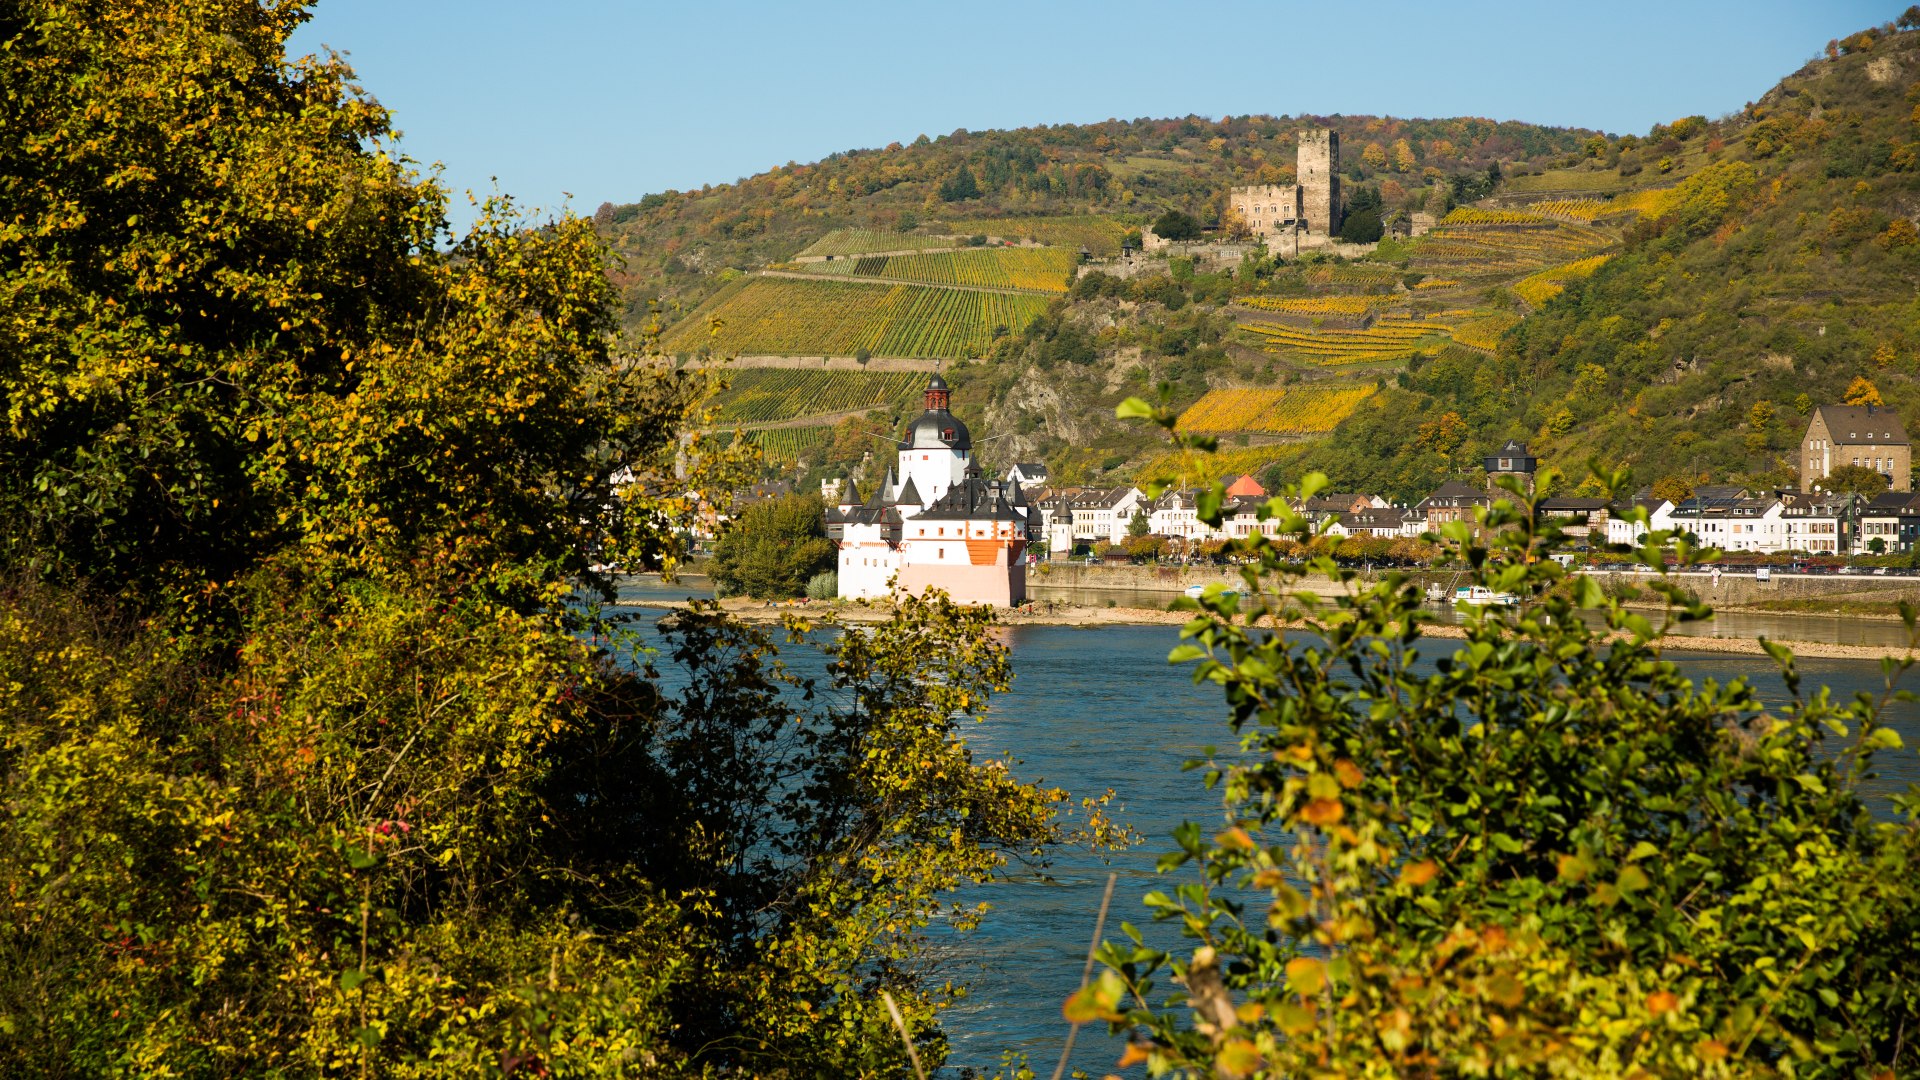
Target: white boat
{"points": [[1481, 596], [1197, 591]]}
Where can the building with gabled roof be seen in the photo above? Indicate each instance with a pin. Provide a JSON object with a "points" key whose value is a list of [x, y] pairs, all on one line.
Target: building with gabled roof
{"points": [[1870, 436], [1452, 501], [1028, 474]]}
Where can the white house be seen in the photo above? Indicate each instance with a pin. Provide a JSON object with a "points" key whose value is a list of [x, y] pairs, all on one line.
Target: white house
{"points": [[1815, 525], [1622, 531], [1028, 474]]}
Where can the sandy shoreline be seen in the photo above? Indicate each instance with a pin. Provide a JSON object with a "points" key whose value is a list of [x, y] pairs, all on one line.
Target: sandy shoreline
{"points": [[1091, 617]]}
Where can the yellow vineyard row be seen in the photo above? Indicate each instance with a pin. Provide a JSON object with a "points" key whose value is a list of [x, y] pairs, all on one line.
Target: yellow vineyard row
{"points": [[796, 317], [1583, 211], [1484, 334], [1308, 410], [1314, 305], [1537, 289]]}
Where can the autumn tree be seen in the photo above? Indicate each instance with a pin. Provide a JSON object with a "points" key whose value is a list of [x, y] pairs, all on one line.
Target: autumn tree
{"points": [[1862, 392], [1675, 489], [223, 338], [1444, 434], [318, 757]]}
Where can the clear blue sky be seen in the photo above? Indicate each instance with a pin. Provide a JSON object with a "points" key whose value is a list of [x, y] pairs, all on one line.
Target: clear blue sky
{"points": [[610, 101]]}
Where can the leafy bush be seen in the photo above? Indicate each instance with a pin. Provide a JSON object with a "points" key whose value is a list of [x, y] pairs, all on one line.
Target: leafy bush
{"points": [[1552, 853], [1177, 225], [824, 585], [772, 550]]}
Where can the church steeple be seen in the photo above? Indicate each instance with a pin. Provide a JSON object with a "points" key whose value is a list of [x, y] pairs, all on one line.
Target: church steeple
{"points": [[937, 394]]}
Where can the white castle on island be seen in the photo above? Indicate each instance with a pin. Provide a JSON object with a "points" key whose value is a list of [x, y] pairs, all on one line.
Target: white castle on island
{"points": [[935, 521]]}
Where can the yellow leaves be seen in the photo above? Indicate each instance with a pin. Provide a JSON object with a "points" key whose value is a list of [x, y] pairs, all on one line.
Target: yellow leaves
{"points": [[1661, 1002], [1504, 989], [1134, 1054], [1098, 1000], [1237, 1058], [1348, 773], [1235, 839], [1306, 976], [1711, 1050]]}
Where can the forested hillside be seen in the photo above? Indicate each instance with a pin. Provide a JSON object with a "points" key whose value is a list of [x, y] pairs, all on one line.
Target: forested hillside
{"points": [[677, 244], [1676, 300], [1776, 263]]}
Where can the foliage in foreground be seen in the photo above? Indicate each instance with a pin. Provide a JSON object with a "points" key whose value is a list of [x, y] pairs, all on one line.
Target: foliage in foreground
{"points": [[1546, 853], [312, 760], [429, 835]]}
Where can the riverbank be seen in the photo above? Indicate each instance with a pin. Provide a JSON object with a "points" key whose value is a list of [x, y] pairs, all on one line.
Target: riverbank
{"points": [[1066, 615], [1863, 597]]}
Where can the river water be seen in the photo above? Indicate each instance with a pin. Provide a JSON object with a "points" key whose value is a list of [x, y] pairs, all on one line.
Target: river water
{"points": [[1099, 708]]}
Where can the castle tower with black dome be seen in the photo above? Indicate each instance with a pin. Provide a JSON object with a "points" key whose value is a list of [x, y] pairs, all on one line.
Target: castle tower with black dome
{"points": [[937, 449]]}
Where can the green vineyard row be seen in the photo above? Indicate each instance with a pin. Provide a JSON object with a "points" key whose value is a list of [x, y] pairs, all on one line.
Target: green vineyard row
{"points": [[762, 395], [860, 241], [1048, 269], [794, 317]]}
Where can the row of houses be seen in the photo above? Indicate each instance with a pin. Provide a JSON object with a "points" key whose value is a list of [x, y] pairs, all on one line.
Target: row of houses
{"points": [[1731, 518], [1785, 521]]}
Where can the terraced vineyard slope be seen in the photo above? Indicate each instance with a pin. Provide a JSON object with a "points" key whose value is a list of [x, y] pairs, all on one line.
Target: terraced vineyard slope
{"points": [[795, 317], [1036, 269], [1307, 410], [766, 395]]}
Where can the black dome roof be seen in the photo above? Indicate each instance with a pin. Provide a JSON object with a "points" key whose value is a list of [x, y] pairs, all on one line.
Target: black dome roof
{"points": [[937, 428]]}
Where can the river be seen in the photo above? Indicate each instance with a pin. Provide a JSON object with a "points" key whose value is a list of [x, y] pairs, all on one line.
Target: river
{"points": [[1099, 708]]}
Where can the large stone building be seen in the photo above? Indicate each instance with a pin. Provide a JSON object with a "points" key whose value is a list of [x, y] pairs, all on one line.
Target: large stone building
{"points": [[935, 521], [1870, 436], [1305, 214]]}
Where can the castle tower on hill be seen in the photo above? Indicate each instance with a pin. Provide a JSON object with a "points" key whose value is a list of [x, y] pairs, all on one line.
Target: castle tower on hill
{"points": [[1316, 169], [1306, 214]]}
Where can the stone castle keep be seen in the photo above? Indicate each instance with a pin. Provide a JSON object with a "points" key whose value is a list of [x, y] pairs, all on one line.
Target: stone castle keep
{"points": [[1304, 215]]}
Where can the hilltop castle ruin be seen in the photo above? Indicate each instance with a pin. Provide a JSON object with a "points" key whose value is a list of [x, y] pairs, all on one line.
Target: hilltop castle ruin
{"points": [[1304, 215]]}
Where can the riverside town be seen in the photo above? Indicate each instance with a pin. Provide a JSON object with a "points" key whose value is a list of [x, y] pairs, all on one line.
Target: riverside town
{"points": [[1397, 569]]}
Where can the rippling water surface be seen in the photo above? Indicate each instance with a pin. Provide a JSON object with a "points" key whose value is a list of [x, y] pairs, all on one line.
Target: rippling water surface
{"points": [[1099, 708]]}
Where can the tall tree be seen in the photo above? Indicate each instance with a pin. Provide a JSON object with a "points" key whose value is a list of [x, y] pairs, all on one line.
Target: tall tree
{"points": [[231, 323], [773, 548], [331, 770]]}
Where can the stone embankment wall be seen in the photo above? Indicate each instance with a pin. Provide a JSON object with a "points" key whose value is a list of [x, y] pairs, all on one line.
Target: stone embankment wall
{"points": [[1733, 590]]}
